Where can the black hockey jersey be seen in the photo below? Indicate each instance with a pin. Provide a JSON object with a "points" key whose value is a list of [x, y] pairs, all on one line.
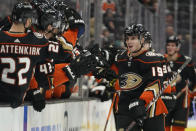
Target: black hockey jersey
{"points": [[188, 73], [19, 53], [140, 77]]}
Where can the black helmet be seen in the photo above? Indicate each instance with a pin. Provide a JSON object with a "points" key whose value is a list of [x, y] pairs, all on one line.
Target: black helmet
{"points": [[174, 39], [135, 30], [61, 7], [50, 17], [22, 11], [138, 30], [47, 14]]}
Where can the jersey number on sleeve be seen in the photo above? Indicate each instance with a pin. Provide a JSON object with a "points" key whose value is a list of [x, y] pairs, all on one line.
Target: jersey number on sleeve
{"points": [[53, 48], [12, 69]]}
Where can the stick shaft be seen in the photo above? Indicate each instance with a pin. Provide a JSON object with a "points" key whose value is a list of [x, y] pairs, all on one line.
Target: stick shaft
{"points": [[108, 117]]}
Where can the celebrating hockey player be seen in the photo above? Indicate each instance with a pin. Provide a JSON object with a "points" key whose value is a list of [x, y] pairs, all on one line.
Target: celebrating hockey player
{"points": [[20, 52], [177, 118], [140, 81]]}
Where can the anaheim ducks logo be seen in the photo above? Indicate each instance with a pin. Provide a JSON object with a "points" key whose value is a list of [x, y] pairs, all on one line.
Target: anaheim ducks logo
{"points": [[130, 81]]}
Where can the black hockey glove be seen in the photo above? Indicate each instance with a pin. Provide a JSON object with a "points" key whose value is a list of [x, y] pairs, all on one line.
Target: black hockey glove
{"points": [[169, 100], [37, 99], [137, 111], [103, 91], [108, 92], [94, 49], [83, 64], [74, 19], [105, 73]]}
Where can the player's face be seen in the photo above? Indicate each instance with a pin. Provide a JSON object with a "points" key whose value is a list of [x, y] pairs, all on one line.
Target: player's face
{"points": [[133, 43], [171, 48], [28, 23]]}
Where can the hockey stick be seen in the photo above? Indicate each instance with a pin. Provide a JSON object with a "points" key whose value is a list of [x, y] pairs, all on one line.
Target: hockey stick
{"points": [[183, 90], [132, 124], [114, 97]]}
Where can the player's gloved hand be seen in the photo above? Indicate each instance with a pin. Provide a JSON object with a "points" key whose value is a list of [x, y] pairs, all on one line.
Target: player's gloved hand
{"points": [[97, 91], [105, 73], [108, 92], [37, 99], [169, 100], [137, 110], [74, 19], [83, 64], [94, 49]]}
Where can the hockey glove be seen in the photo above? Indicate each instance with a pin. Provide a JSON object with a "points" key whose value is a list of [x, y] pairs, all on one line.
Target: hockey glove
{"points": [[94, 49], [106, 73], [83, 64], [108, 92], [169, 100], [137, 111], [97, 91], [74, 19], [37, 99]]}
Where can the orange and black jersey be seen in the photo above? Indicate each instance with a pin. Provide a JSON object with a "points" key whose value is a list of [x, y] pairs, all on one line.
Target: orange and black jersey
{"points": [[188, 73], [140, 77], [58, 77], [19, 53]]}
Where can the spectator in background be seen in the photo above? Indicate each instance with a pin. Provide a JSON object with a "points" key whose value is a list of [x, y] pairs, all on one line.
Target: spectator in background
{"points": [[107, 37], [185, 43], [194, 50], [5, 11], [108, 4], [169, 31], [108, 20], [169, 19], [155, 7], [148, 3]]}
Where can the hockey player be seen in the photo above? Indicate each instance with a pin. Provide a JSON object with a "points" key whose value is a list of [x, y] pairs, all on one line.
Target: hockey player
{"points": [[48, 21], [20, 52], [176, 120], [67, 38], [60, 83], [140, 81]]}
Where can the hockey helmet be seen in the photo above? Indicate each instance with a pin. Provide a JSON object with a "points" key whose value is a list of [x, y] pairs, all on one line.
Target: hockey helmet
{"points": [[174, 39], [47, 14], [50, 17], [22, 11], [135, 30], [61, 7], [138, 30]]}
